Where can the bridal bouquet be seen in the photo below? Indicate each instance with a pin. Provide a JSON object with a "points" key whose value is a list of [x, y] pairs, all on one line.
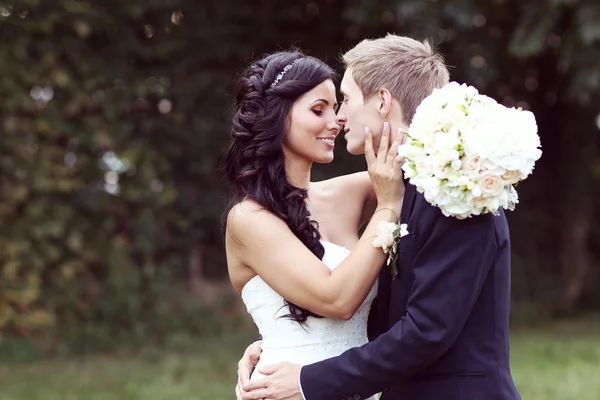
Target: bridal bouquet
{"points": [[465, 152]]}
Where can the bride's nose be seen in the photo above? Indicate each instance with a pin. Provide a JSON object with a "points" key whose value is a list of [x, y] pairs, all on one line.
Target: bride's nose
{"points": [[334, 125], [340, 117]]}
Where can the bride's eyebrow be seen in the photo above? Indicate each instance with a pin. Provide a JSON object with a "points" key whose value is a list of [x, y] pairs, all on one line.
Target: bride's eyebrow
{"points": [[324, 101]]}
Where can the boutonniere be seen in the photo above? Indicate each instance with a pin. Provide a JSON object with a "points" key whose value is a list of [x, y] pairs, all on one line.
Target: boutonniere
{"points": [[388, 239]]}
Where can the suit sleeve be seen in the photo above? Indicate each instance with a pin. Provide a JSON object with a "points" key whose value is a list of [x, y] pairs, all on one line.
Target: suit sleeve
{"points": [[449, 270]]}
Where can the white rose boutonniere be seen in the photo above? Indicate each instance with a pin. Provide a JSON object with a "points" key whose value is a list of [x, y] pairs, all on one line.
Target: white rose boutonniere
{"points": [[388, 238]]}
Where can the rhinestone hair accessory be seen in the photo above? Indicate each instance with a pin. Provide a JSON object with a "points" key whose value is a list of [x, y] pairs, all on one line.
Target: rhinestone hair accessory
{"points": [[285, 69]]}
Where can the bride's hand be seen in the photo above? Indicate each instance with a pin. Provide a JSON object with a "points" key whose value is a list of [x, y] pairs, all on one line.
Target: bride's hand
{"points": [[385, 169]]}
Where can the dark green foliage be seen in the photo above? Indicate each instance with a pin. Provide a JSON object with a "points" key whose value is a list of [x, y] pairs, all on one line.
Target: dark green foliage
{"points": [[138, 93]]}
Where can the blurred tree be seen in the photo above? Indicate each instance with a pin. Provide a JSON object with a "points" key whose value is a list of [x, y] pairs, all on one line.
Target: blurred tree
{"points": [[114, 117]]}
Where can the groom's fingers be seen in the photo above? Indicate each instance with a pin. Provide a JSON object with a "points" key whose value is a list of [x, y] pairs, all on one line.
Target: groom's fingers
{"points": [[269, 369], [239, 395], [255, 384], [384, 144], [244, 371], [258, 394], [247, 363]]}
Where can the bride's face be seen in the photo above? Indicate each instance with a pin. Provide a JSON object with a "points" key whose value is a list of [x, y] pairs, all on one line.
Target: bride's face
{"points": [[313, 125]]}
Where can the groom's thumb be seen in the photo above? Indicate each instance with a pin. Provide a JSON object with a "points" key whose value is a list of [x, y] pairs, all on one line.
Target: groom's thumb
{"points": [[269, 369]]}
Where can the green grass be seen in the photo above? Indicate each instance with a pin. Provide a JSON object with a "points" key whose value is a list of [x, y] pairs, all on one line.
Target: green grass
{"points": [[202, 370], [559, 362]]}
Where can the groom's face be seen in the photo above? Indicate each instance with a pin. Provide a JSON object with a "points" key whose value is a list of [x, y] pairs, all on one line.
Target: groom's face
{"points": [[355, 114]]}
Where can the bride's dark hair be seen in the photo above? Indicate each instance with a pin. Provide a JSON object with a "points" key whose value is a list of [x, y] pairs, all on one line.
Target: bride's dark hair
{"points": [[254, 164]]}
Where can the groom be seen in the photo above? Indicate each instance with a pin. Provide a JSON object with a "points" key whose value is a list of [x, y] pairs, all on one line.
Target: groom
{"points": [[439, 328]]}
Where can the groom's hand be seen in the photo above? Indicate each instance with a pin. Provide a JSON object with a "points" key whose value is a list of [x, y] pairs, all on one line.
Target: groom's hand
{"points": [[245, 367], [281, 382]]}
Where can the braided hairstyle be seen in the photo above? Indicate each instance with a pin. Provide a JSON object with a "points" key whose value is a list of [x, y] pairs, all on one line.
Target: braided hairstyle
{"points": [[254, 164]]}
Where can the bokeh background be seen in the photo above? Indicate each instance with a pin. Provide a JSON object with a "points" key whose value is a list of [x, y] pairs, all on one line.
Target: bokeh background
{"points": [[114, 116]]}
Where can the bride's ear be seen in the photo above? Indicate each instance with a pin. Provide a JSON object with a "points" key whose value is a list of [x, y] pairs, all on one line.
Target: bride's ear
{"points": [[385, 103]]}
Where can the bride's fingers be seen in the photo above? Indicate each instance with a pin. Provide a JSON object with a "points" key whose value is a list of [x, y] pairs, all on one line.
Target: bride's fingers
{"points": [[398, 161], [401, 136], [393, 152], [369, 153], [384, 144]]}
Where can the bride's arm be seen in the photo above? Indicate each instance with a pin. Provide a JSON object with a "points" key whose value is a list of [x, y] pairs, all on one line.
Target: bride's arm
{"points": [[359, 183], [356, 191], [267, 246]]}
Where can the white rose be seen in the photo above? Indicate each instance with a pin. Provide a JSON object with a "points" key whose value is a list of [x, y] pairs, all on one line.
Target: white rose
{"points": [[464, 181], [385, 235], [491, 185], [441, 171], [425, 166]]}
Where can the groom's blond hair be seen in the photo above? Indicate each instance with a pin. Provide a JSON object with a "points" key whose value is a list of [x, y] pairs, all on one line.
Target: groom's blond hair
{"points": [[408, 68]]}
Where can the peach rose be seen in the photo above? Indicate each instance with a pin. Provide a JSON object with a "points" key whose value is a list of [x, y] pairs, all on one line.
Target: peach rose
{"points": [[471, 163], [510, 177], [491, 185]]}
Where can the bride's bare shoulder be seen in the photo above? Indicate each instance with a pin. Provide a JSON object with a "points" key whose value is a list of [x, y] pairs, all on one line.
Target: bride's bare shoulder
{"points": [[246, 216], [246, 211]]}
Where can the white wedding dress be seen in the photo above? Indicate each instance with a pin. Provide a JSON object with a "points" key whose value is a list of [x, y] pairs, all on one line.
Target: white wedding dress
{"points": [[285, 340]]}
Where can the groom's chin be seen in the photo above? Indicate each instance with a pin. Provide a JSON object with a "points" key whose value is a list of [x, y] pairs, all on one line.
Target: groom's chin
{"points": [[354, 149], [355, 152]]}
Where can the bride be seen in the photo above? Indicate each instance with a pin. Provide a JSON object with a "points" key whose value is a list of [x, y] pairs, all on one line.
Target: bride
{"points": [[292, 245]]}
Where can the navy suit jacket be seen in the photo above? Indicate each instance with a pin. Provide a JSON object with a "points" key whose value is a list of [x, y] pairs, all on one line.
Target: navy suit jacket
{"points": [[439, 330]]}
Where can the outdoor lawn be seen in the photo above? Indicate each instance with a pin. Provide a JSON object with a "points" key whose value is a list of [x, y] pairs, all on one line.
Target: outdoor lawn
{"points": [[558, 362]]}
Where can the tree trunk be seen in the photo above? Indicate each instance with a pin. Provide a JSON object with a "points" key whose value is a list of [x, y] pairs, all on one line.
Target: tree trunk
{"points": [[576, 191], [575, 258]]}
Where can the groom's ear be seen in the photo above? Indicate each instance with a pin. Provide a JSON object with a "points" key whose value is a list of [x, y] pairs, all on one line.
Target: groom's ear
{"points": [[384, 102]]}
